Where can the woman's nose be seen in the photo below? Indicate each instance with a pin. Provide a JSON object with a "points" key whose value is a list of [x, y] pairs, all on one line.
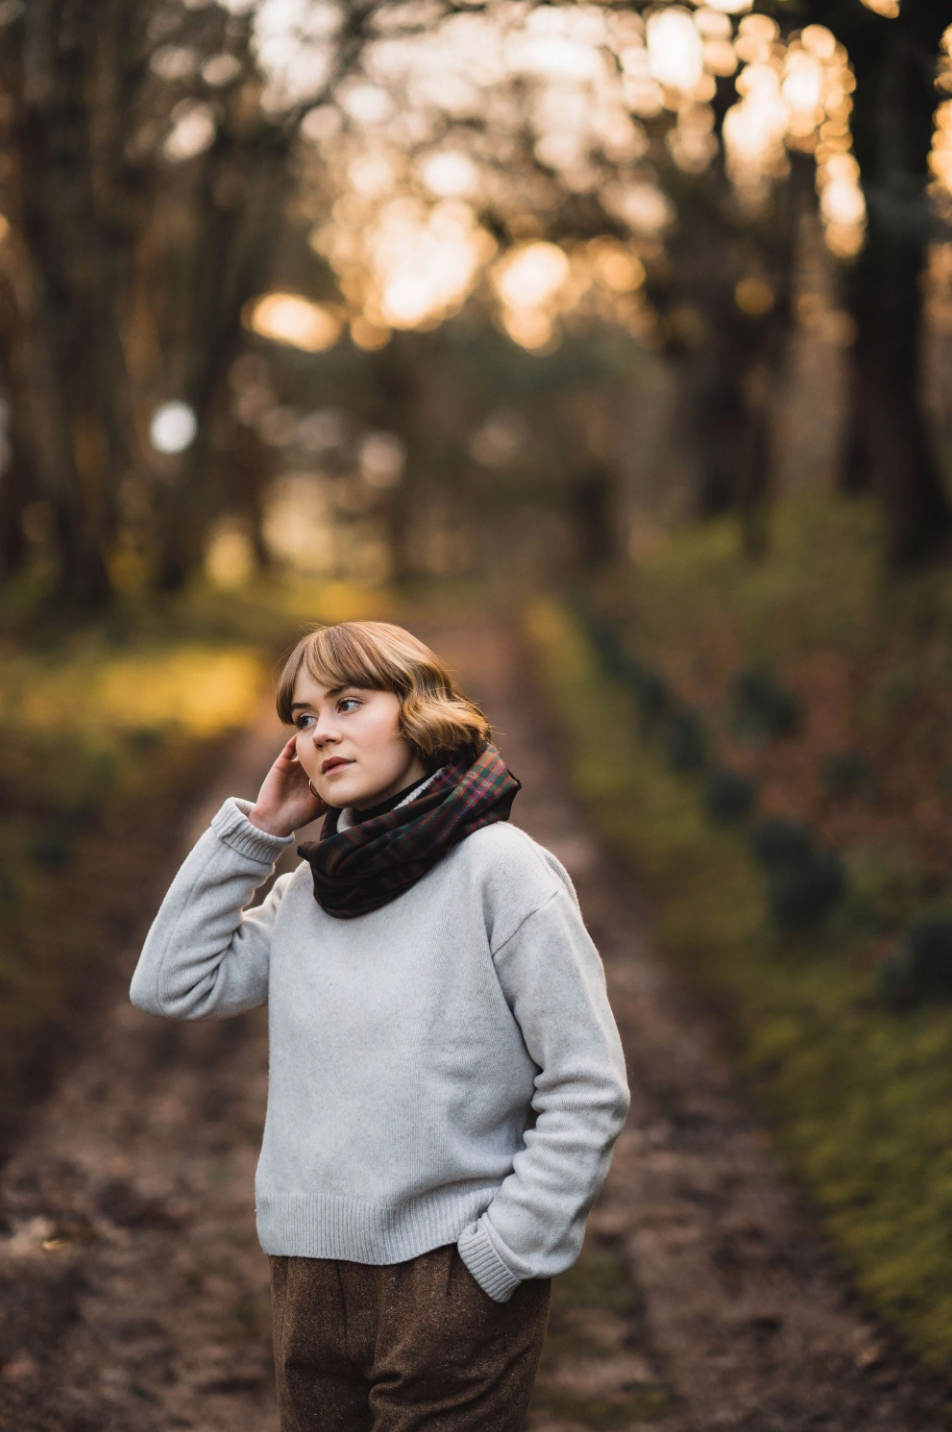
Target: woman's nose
{"points": [[323, 731]]}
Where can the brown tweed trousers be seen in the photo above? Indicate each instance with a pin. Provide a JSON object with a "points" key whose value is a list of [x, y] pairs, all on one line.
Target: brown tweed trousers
{"points": [[402, 1347]]}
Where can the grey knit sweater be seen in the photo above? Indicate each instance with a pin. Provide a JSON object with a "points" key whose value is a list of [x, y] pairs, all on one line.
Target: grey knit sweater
{"points": [[445, 1069]]}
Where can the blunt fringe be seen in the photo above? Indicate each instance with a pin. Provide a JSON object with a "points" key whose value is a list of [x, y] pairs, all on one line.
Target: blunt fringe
{"points": [[437, 720]]}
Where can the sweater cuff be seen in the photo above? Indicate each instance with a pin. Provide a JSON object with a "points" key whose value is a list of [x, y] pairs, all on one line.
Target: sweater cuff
{"points": [[479, 1254], [233, 827]]}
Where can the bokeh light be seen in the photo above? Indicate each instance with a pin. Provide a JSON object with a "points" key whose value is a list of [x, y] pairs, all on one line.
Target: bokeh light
{"points": [[193, 131], [675, 49], [381, 458], [289, 318], [174, 427]]}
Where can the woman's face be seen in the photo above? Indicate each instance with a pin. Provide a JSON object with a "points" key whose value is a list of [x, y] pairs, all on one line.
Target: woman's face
{"points": [[349, 743]]}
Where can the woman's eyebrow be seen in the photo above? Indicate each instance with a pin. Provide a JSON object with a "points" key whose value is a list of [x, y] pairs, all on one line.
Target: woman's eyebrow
{"points": [[332, 691]]}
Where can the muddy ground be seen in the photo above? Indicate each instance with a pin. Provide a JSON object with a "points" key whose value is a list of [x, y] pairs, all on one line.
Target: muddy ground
{"points": [[133, 1295]]}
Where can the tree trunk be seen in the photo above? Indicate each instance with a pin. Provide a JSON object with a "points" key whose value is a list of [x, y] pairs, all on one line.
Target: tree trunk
{"points": [[15, 494], [41, 396], [889, 448], [71, 368], [887, 445], [396, 406], [718, 419], [17, 480], [855, 474], [592, 500], [757, 467]]}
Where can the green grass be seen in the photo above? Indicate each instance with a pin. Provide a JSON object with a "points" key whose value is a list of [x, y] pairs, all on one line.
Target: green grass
{"points": [[860, 1099]]}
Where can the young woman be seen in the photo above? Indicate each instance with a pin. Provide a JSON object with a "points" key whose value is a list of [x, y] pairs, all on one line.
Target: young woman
{"points": [[446, 1078]]}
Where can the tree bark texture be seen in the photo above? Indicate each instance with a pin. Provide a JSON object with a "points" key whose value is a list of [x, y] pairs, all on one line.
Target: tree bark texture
{"points": [[887, 446], [72, 364]]}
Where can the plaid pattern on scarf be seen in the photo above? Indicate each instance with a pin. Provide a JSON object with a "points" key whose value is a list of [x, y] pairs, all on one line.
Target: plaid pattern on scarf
{"points": [[368, 865]]}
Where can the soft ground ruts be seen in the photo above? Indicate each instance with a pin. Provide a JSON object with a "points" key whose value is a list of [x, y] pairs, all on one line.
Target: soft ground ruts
{"points": [[133, 1295]]}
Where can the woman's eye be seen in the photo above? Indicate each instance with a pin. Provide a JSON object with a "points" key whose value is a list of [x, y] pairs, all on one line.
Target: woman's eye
{"points": [[348, 703], [301, 722]]}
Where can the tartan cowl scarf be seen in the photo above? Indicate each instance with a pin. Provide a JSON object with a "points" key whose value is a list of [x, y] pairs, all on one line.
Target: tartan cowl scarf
{"points": [[369, 864]]}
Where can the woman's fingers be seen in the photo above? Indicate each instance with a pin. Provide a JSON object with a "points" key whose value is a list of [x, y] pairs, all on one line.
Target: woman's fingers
{"points": [[284, 787], [287, 758]]}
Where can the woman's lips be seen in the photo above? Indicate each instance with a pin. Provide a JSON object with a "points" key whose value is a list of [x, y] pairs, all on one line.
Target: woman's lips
{"points": [[334, 763]]}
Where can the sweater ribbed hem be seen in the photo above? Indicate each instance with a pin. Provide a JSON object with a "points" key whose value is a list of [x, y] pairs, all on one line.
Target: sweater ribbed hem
{"points": [[360, 1231], [479, 1254], [231, 825]]}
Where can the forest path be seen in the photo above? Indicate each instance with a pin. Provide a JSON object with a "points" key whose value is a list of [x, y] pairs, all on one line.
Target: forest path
{"points": [[133, 1295]]}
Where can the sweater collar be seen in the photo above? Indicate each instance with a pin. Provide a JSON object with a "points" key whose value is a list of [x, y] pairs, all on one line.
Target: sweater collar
{"points": [[351, 816]]}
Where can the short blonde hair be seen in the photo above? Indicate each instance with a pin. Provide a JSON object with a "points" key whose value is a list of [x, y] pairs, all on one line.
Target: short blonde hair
{"points": [[437, 720]]}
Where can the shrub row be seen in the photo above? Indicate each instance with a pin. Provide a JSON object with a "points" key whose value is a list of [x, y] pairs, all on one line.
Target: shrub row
{"points": [[805, 883]]}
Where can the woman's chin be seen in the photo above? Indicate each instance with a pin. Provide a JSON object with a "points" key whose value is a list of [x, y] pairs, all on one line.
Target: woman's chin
{"points": [[342, 794], [353, 789]]}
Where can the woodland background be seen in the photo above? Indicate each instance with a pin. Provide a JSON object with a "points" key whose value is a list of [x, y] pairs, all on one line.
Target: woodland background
{"points": [[630, 321]]}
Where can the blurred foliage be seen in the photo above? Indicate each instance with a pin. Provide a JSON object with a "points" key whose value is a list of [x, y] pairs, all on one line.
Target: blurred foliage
{"points": [[801, 893], [857, 1093], [888, 883], [777, 842], [923, 967], [803, 883], [729, 797], [176, 172], [843, 774], [688, 748], [762, 709]]}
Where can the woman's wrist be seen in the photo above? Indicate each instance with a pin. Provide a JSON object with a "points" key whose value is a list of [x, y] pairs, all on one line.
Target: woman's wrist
{"points": [[269, 823]]}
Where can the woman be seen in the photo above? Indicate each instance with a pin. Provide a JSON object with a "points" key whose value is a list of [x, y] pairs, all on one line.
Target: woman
{"points": [[446, 1078]]}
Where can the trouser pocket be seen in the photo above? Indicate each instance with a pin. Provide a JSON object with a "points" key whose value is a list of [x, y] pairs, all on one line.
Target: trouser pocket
{"points": [[403, 1347]]}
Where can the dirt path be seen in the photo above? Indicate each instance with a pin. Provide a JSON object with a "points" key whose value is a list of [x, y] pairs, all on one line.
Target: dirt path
{"points": [[133, 1296]]}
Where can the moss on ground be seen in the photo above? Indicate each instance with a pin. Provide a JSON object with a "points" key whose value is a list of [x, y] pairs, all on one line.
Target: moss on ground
{"points": [[597, 1310], [859, 1098]]}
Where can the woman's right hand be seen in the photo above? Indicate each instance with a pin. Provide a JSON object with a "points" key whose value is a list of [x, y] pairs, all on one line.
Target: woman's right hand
{"points": [[285, 802]]}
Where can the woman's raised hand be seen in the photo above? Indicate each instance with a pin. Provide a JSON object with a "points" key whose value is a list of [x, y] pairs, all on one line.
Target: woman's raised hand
{"points": [[285, 802]]}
